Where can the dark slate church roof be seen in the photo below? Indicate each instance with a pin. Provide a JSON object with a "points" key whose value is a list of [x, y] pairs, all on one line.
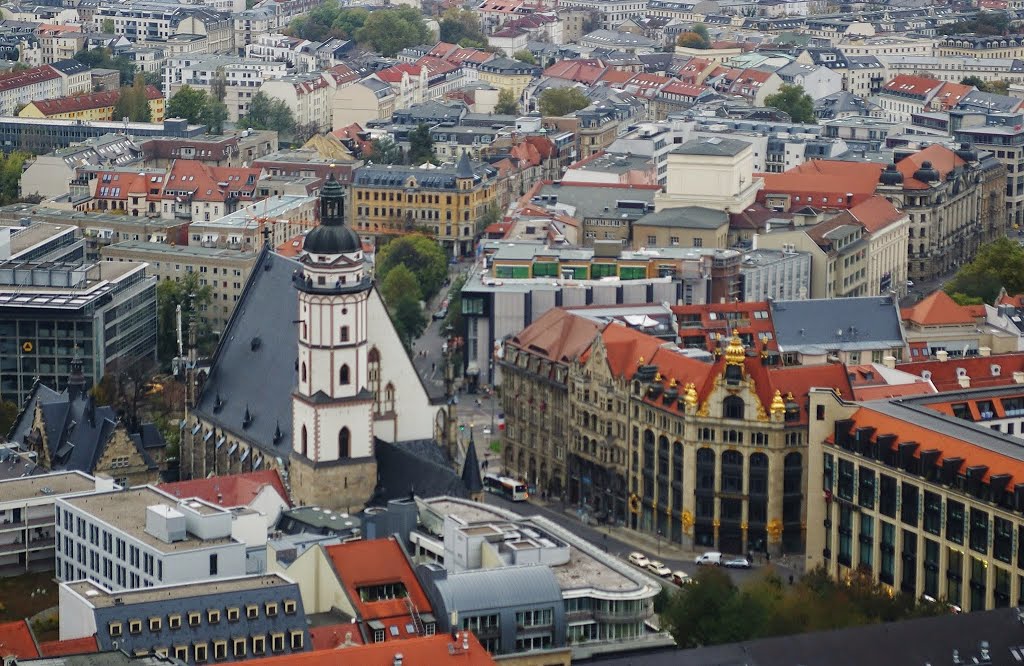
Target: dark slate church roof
{"points": [[77, 431], [254, 365], [419, 467], [254, 369]]}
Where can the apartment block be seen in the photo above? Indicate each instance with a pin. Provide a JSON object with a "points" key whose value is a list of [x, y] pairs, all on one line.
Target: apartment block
{"points": [[226, 620]]}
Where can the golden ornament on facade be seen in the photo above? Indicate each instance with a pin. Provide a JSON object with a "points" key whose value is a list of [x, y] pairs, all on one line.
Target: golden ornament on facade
{"points": [[743, 526], [691, 395], [634, 503], [774, 529], [687, 521], [704, 410], [761, 414], [778, 404], [716, 523], [672, 384], [640, 362], [735, 352], [657, 376]]}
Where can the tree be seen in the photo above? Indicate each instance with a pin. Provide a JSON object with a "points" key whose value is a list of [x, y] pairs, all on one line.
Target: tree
{"points": [[132, 102], [187, 103], [107, 27], [794, 101], [462, 27], [454, 316], [422, 255], [154, 79], [385, 151], [11, 167], [525, 56], [129, 380], [491, 216], [269, 113], [102, 57], [999, 264], [193, 299], [999, 87], [8, 413], [701, 30], [691, 40], [562, 101], [421, 146], [982, 24], [391, 30], [507, 104], [401, 294], [213, 115]]}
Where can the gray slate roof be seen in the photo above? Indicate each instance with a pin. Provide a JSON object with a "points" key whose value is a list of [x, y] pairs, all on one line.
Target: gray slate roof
{"points": [[686, 217], [814, 326], [261, 378], [500, 587]]}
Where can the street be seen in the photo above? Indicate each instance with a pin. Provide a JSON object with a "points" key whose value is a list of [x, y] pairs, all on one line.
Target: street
{"points": [[613, 541]]}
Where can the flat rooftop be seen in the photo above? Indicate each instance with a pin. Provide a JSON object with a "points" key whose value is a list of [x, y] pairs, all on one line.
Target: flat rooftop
{"points": [[144, 247], [585, 569], [83, 220], [39, 232], [277, 206], [53, 485], [126, 510], [101, 597]]}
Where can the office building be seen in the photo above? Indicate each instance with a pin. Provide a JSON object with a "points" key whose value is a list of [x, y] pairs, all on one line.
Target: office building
{"points": [[49, 313], [144, 538]]}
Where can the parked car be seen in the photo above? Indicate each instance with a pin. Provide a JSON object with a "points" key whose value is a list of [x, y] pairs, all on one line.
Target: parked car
{"points": [[910, 283], [442, 311], [737, 563], [659, 569], [639, 559], [681, 578], [709, 558]]}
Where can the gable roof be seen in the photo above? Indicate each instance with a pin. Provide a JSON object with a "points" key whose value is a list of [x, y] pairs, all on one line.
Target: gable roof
{"points": [[557, 335], [228, 491], [86, 645], [945, 375], [209, 183], [98, 100], [361, 564], [876, 213], [831, 179], [942, 159], [239, 367], [938, 309], [434, 650], [16, 640]]}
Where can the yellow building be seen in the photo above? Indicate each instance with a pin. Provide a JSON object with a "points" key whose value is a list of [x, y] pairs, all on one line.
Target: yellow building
{"points": [[446, 202], [95, 106], [507, 73]]}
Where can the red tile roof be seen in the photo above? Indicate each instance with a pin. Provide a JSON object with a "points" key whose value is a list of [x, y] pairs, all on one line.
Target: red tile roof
{"points": [[945, 375], [943, 160], [332, 636], [361, 564], [816, 180], [558, 336], [74, 103], [950, 446], [949, 95], [120, 185], [71, 646], [16, 640], [716, 323], [209, 183], [28, 77], [938, 309], [908, 84], [229, 491], [395, 73], [876, 213], [436, 650], [581, 71]]}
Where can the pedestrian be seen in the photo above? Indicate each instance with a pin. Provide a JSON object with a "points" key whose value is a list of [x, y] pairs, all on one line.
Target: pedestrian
{"points": [[767, 557], [790, 579], [433, 366]]}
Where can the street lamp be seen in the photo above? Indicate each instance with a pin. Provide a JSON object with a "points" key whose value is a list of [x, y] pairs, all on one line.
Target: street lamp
{"points": [[659, 543]]}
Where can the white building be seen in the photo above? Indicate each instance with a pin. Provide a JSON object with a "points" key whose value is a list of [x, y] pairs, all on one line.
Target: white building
{"points": [[26, 515], [144, 537], [242, 78], [275, 47], [309, 96]]}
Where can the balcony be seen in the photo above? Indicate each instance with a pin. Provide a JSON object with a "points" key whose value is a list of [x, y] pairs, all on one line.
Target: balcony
{"points": [[615, 617]]}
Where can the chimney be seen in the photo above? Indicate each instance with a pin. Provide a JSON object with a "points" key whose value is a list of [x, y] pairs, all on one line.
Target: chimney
{"points": [[889, 361], [942, 355], [965, 381], [1018, 378], [984, 351], [398, 659]]}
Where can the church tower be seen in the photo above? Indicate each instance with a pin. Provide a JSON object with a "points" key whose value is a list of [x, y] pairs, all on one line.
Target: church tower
{"points": [[332, 459]]}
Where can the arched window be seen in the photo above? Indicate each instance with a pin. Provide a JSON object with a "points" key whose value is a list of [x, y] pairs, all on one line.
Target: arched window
{"points": [[389, 397], [344, 442], [344, 333], [305, 442], [303, 371], [344, 379], [732, 407]]}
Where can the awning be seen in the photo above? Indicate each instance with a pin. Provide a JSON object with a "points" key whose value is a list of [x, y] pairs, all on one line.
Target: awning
{"points": [[207, 436], [220, 442], [473, 368], [196, 429], [234, 447]]}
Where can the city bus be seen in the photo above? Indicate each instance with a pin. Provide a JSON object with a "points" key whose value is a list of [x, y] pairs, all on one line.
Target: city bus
{"points": [[510, 489]]}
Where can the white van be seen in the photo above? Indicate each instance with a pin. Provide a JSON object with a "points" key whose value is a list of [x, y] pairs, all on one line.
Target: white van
{"points": [[709, 558]]}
